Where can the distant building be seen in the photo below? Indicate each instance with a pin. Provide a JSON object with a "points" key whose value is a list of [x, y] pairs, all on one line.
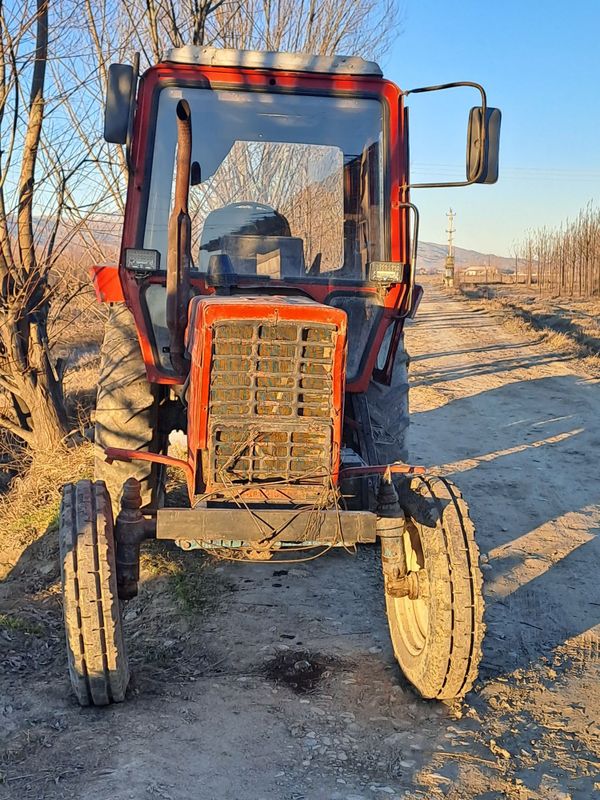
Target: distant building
{"points": [[480, 274]]}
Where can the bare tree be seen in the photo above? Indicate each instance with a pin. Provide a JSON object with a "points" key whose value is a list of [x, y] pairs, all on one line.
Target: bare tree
{"points": [[357, 27], [113, 30], [567, 260], [36, 185]]}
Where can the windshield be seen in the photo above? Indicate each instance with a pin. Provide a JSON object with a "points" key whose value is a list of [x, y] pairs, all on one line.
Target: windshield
{"points": [[288, 186]]}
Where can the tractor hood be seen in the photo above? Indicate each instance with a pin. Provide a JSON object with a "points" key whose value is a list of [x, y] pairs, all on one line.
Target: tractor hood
{"points": [[265, 398]]}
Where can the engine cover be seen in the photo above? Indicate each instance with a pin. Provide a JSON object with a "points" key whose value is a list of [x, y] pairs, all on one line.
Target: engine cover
{"points": [[266, 395]]}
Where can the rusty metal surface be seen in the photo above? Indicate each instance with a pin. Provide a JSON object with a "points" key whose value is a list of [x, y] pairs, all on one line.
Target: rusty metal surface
{"points": [[245, 454], [414, 585], [123, 454], [270, 403], [130, 532], [238, 524], [382, 469], [398, 580]]}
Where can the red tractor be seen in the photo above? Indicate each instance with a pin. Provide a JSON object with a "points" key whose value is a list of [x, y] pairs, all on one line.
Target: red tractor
{"points": [[267, 268]]}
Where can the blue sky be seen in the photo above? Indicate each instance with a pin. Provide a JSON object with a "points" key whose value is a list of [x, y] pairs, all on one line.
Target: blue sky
{"points": [[539, 61]]}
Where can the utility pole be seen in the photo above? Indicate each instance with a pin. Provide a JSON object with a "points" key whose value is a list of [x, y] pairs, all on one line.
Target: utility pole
{"points": [[449, 267]]}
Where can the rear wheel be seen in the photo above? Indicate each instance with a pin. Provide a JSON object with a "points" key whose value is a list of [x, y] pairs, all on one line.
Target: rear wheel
{"points": [[437, 636], [388, 410], [127, 411], [96, 651]]}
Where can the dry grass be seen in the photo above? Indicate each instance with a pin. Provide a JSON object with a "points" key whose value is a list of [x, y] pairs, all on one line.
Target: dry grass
{"points": [[565, 325], [190, 577], [29, 502], [30, 506]]}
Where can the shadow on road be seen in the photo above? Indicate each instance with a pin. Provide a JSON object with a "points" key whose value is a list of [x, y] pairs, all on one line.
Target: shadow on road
{"points": [[524, 455], [478, 368]]}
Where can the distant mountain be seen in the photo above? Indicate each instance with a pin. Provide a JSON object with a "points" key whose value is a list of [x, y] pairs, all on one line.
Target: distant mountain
{"points": [[431, 258]]}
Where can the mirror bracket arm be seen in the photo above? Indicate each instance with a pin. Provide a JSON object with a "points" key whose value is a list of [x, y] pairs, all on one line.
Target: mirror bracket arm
{"points": [[439, 88], [413, 256], [136, 75]]}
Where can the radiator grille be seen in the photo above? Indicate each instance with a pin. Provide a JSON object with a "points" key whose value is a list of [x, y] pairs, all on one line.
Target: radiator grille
{"points": [[270, 403]]}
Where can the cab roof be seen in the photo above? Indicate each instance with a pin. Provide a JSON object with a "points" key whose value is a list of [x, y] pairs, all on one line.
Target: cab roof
{"points": [[288, 62]]}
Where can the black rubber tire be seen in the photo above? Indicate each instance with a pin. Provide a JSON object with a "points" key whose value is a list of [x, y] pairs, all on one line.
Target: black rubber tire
{"points": [[388, 409], [95, 647], [437, 640], [127, 411]]}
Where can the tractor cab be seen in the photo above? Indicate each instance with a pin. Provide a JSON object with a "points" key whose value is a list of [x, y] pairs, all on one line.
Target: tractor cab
{"points": [[297, 169]]}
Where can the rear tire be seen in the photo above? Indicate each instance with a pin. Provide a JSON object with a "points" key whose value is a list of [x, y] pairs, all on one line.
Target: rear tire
{"points": [[95, 647], [127, 411], [437, 638], [388, 409]]}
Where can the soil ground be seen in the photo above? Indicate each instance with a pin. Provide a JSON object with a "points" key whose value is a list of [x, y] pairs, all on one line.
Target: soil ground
{"points": [[271, 682]]}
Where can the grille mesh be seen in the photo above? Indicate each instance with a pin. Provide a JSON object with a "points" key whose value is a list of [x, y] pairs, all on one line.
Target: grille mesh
{"points": [[270, 401]]}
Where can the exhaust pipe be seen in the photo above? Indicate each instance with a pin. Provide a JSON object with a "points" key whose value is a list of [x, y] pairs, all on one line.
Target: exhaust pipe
{"points": [[179, 244]]}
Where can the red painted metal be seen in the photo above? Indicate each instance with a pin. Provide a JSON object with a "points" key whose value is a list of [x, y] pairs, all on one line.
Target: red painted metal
{"points": [[122, 454], [107, 283], [117, 284], [204, 311]]}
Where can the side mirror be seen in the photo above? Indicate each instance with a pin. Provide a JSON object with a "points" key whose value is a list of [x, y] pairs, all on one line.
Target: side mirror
{"points": [[483, 145], [483, 139], [118, 110]]}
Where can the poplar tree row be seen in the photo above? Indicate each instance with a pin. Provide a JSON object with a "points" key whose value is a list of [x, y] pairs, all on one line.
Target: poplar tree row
{"points": [[566, 260]]}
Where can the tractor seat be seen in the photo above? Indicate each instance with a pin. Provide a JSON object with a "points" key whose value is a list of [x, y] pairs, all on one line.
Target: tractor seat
{"points": [[269, 256], [256, 239]]}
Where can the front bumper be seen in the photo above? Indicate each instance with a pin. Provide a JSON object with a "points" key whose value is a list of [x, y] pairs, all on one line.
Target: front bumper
{"points": [[218, 526]]}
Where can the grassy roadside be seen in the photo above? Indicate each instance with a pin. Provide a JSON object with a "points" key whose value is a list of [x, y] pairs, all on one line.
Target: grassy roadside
{"points": [[565, 325], [30, 507]]}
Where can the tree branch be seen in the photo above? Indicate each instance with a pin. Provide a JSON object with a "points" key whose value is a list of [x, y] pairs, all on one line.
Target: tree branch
{"points": [[31, 143], [12, 427]]}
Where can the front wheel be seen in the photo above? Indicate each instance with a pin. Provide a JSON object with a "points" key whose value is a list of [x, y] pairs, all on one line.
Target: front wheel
{"points": [[95, 647], [437, 635]]}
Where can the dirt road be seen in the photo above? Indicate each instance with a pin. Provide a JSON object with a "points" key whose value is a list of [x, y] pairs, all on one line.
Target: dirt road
{"points": [[211, 716]]}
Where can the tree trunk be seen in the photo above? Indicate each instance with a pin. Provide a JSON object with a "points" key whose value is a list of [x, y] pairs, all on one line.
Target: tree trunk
{"points": [[40, 393], [36, 410], [48, 419]]}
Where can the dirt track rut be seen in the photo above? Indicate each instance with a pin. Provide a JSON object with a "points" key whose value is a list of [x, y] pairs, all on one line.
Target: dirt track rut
{"points": [[517, 428]]}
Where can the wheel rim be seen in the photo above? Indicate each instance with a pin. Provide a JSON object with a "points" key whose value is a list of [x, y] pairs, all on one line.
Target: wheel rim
{"points": [[412, 616]]}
